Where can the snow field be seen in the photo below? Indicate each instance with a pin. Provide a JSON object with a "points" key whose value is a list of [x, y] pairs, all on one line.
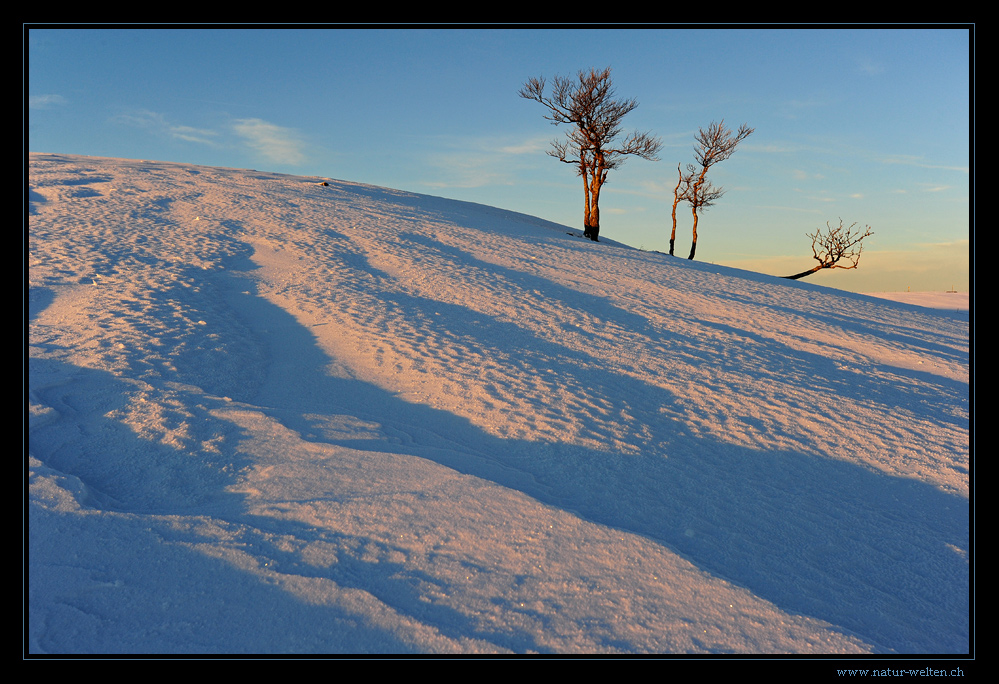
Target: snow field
{"points": [[273, 416]]}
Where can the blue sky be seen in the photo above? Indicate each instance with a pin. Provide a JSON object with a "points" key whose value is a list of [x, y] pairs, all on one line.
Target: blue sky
{"points": [[868, 125]]}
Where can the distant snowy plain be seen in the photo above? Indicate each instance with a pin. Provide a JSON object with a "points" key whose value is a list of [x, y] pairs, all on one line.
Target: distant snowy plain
{"points": [[285, 415]]}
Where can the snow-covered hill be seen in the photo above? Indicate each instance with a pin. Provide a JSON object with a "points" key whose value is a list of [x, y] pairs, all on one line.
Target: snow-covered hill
{"points": [[275, 414]]}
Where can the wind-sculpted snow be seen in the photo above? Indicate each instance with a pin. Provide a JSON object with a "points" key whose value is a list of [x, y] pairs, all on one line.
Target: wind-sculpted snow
{"points": [[275, 414]]}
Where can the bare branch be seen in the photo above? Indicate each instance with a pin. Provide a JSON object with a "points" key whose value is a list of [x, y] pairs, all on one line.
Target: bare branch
{"points": [[702, 195], [717, 143], [836, 245]]}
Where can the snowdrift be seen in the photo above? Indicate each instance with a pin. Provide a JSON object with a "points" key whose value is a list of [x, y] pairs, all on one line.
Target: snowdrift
{"points": [[275, 414]]}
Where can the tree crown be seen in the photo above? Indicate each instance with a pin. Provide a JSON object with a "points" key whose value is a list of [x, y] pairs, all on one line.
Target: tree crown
{"points": [[716, 143], [587, 103]]}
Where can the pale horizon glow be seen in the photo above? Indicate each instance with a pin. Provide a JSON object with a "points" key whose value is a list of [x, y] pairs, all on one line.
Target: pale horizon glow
{"points": [[865, 125]]}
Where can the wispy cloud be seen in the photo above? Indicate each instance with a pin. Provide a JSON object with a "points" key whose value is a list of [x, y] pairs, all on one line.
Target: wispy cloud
{"points": [[934, 188], [158, 124], [457, 170], [869, 66], [278, 144], [911, 160], [527, 147], [479, 162], [199, 135], [961, 245], [45, 101], [800, 174], [794, 108]]}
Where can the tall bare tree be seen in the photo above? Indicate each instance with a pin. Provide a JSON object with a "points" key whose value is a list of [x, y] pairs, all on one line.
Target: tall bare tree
{"points": [[715, 144], [835, 245], [591, 146]]}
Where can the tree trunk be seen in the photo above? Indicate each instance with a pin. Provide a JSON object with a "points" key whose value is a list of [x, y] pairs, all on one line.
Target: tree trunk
{"points": [[595, 205], [693, 245], [696, 200], [672, 236], [803, 273], [676, 201]]}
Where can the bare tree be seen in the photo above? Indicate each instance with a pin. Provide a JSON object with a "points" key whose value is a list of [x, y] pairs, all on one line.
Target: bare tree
{"points": [[835, 245], [696, 191], [715, 144], [680, 193], [587, 104]]}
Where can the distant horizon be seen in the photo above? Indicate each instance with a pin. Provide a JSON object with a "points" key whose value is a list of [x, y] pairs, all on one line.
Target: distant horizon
{"points": [[867, 125]]}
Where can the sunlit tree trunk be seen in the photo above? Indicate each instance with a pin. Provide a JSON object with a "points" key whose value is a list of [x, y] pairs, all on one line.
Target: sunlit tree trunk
{"points": [[595, 184], [677, 196], [804, 273], [693, 245]]}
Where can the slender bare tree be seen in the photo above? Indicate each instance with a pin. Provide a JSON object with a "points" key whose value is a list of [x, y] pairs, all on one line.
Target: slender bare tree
{"points": [[715, 144], [835, 245], [699, 193], [680, 193], [587, 104]]}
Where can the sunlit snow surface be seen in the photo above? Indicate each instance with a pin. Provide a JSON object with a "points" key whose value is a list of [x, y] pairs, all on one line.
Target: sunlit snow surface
{"points": [[272, 415], [949, 301]]}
